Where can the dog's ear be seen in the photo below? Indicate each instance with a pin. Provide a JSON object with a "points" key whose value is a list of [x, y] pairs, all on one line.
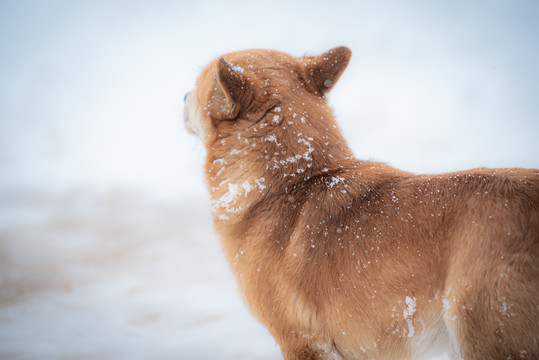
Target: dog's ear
{"points": [[322, 72], [231, 85]]}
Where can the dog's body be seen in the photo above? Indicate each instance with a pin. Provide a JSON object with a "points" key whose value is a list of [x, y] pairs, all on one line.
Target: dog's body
{"points": [[348, 259]]}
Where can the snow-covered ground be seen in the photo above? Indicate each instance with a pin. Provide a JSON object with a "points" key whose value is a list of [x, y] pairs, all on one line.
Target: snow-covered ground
{"points": [[118, 276], [106, 244]]}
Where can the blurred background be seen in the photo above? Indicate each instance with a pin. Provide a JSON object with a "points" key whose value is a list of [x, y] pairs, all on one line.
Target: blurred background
{"points": [[106, 243]]}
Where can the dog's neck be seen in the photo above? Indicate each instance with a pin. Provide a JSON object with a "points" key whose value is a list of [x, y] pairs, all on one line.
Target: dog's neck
{"points": [[289, 146]]}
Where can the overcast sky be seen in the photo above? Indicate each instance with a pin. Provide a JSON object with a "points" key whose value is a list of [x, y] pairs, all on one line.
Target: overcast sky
{"points": [[91, 91]]}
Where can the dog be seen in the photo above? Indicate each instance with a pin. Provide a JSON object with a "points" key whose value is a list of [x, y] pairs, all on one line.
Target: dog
{"points": [[347, 259]]}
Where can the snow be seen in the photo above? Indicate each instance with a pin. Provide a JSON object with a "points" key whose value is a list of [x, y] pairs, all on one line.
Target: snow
{"points": [[117, 275], [228, 199], [272, 138], [233, 67], [247, 187], [446, 304], [335, 180], [106, 241], [260, 183], [410, 309], [408, 313]]}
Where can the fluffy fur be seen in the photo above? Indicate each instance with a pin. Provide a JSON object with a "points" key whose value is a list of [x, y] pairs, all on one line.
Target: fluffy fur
{"points": [[347, 259]]}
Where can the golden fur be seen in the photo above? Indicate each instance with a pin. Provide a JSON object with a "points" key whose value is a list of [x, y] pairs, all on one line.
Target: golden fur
{"points": [[347, 259]]}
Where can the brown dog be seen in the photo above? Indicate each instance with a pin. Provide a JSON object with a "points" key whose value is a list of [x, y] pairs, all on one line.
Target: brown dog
{"points": [[347, 259]]}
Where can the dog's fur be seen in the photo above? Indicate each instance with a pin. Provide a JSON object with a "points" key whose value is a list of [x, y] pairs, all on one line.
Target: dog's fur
{"points": [[347, 259]]}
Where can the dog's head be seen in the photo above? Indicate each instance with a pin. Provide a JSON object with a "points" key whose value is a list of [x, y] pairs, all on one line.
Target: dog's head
{"points": [[240, 89]]}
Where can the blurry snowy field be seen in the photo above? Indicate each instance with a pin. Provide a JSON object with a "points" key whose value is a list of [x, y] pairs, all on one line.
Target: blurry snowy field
{"points": [[118, 276], [106, 245]]}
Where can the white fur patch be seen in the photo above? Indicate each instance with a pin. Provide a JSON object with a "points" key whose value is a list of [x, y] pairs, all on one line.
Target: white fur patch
{"points": [[330, 352], [193, 116], [435, 343]]}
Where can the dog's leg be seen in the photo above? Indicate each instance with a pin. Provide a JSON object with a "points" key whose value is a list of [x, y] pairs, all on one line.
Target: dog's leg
{"points": [[496, 317], [310, 352], [305, 353]]}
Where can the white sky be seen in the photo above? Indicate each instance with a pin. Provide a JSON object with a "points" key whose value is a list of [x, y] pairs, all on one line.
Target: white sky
{"points": [[91, 91]]}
